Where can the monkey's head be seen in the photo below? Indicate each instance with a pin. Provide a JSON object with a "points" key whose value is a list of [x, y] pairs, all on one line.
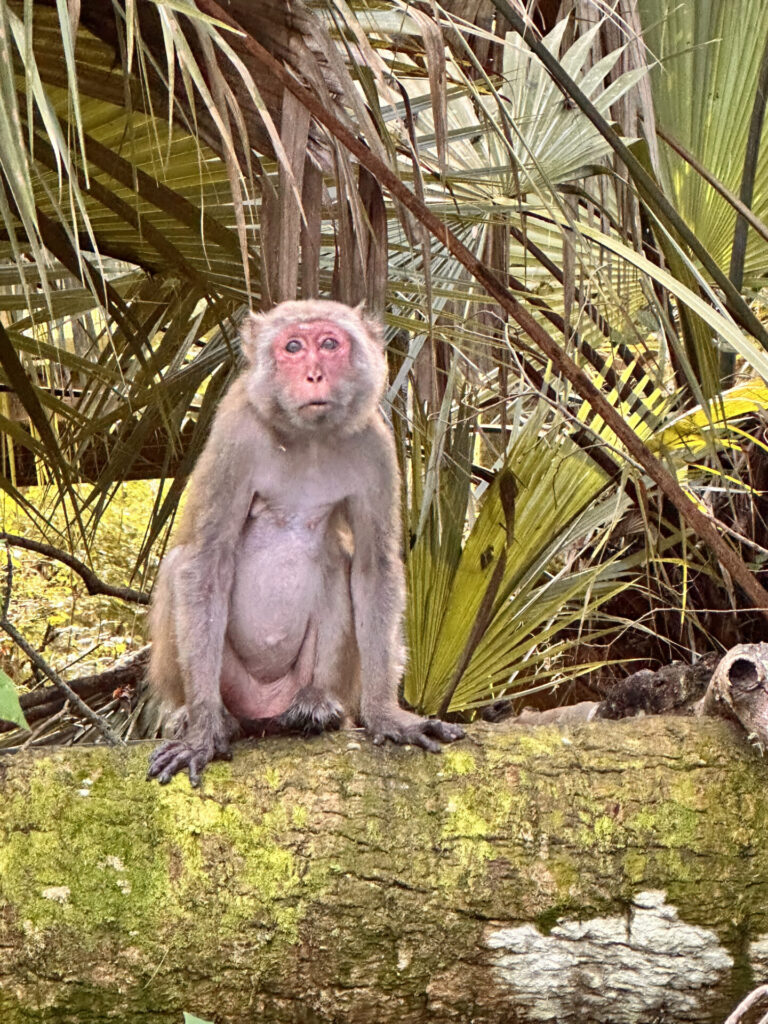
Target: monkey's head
{"points": [[314, 365]]}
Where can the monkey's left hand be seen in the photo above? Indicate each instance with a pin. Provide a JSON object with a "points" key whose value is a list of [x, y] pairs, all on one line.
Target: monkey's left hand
{"points": [[403, 727]]}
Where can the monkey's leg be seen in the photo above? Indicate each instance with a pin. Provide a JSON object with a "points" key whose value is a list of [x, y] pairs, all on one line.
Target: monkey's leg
{"points": [[388, 721], [164, 671], [198, 738], [314, 708]]}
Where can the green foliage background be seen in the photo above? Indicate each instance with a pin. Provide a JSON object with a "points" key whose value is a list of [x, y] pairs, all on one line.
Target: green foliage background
{"points": [[161, 171]]}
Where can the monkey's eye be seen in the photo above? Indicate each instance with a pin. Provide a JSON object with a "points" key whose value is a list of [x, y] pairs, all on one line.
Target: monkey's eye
{"points": [[329, 344], [294, 345]]}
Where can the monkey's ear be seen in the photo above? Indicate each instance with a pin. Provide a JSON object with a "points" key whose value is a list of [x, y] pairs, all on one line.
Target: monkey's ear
{"points": [[250, 329], [372, 324], [375, 330]]}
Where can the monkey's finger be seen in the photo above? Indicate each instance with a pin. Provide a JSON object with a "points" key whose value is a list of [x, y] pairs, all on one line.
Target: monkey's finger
{"points": [[172, 759], [445, 731], [420, 739], [165, 776], [162, 757], [196, 764], [413, 737], [179, 763]]}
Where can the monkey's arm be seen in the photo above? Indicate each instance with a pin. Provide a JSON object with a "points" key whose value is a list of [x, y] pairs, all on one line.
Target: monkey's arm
{"points": [[199, 575], [378, 600]]}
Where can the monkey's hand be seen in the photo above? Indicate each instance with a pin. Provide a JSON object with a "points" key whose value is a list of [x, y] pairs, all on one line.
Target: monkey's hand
{"points": [[197, 748], [402, 726]]}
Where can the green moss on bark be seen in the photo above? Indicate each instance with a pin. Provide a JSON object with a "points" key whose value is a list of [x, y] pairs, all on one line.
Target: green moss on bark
{"points": [[349, 872]]}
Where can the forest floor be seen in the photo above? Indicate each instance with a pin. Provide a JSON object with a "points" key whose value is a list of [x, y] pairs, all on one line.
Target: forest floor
{"points": [[76, 632]]}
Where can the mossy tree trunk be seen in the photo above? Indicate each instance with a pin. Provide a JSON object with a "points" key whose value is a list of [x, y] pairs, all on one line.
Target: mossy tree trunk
{"points": [[610, 872]]}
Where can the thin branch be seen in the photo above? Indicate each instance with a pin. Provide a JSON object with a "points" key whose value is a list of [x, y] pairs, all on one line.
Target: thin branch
{"points": [[77, 702], [93, 584], [129, 671], [8, 583], [705, 527]]}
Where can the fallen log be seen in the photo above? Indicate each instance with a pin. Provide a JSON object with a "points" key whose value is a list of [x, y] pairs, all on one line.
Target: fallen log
{"points": [[615, 871]]}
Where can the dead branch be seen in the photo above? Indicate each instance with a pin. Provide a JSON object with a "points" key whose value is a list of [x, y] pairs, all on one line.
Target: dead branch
{"points": [[93, 584], [46, 701]]}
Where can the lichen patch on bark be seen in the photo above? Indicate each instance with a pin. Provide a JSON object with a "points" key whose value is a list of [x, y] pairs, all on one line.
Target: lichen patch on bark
{"points": [[625, 968]]}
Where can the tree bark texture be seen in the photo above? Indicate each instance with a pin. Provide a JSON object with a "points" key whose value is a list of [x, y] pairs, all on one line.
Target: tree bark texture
{"points": [[615, 871]]}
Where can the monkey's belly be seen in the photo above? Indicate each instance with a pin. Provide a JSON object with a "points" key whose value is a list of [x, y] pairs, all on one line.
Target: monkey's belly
{"points": [[276, 595]]}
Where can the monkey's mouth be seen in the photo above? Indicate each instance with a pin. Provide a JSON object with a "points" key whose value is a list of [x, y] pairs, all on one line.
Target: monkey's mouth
{"points": [[318, 404]]}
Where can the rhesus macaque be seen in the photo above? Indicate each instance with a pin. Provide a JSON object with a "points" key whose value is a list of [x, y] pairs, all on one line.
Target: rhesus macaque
{"points": [[281, 605]]}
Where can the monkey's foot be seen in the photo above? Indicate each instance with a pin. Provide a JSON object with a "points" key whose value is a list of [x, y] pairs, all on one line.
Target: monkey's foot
{"points": [[405, 727], [311, 712], [193, 754]]}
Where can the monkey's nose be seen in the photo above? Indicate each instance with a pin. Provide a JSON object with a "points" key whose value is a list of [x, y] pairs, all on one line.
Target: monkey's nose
{"points": [[315, 376]]}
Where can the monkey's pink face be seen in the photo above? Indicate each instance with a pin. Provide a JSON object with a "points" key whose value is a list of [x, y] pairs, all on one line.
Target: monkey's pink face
{"points": [[313, 360]]}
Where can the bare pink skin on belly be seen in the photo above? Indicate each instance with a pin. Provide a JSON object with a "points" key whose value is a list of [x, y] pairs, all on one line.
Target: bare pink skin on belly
{"points": [[256, 701], [249, 697], [270, 647]]}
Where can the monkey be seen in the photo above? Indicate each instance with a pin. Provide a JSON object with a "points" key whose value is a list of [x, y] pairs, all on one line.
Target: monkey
{"points": [[280, 606]]}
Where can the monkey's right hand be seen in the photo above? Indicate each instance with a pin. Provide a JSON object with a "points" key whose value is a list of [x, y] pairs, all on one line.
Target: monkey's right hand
{"points": [[194, 751]]}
